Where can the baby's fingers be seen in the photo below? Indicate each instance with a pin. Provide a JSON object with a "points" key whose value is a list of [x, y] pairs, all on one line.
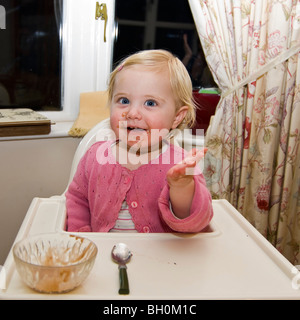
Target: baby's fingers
{"points": [[194, 156], [177, 176], [177, 172]]}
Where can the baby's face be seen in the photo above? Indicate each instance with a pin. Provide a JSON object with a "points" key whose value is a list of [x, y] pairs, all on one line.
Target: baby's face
{"points": [[143, 107]]}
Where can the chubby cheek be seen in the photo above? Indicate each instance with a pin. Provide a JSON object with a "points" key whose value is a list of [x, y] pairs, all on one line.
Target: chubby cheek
{"points": [[114, 123], [118, 124], [160, 123]]}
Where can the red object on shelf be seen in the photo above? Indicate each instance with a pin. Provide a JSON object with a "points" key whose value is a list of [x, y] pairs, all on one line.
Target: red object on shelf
{"points": [[207, 104]]}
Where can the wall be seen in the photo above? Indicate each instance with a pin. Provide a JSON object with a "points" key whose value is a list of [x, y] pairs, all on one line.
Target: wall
{"points": [[28, 169]]}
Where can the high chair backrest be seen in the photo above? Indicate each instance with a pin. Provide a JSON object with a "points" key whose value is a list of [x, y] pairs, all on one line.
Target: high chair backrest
{"points": [[101, 131]]}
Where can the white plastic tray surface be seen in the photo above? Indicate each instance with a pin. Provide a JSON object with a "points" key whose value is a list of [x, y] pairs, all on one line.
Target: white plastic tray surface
{"points": [[229, 261]]}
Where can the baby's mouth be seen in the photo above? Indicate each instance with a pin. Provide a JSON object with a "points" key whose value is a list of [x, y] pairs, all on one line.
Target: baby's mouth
{"points": [[136, 129], [137, 134]]}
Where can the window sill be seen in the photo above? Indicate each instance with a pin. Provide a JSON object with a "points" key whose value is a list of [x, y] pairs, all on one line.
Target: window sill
{"points": [[59, 129]]}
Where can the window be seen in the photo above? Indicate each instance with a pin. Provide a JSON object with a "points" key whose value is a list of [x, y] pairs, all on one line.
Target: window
{"points": [[51, 51], [30, 55], [161, 24]]}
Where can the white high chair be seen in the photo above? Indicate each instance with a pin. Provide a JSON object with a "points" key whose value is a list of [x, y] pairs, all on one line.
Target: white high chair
{"points": [[41, 208], [101, 131]]}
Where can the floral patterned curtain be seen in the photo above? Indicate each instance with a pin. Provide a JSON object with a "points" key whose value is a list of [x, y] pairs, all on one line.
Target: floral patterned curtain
{"points": [[253, 49]]}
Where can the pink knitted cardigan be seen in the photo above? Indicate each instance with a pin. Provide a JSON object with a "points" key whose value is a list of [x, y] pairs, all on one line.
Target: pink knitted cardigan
{"points": [[100, 185]]}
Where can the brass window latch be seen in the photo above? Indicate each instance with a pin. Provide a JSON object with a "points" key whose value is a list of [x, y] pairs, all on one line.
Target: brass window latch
{"points": [[101, 12]]}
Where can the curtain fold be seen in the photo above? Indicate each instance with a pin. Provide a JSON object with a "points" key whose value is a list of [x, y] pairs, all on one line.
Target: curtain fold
{"points": [[253, 50]]}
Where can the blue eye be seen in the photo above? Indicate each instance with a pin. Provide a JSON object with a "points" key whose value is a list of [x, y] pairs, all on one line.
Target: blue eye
{"points": [[124, 101], [150, 103]]}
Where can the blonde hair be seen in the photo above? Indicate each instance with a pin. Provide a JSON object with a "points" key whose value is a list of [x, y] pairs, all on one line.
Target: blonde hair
{"points": [[179, 78]]}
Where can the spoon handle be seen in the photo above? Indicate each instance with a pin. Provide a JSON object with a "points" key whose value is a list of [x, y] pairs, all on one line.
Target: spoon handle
{"points": [[124, 287]]}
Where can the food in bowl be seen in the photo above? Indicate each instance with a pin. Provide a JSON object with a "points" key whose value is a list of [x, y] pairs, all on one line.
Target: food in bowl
{"points": [[54, 263]]}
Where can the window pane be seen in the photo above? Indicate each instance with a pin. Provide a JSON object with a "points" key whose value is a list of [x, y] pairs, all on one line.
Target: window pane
{"points": [[130, 40], [174, 11], [131, 10], [172, 40], [30, 55], [165, 25]]}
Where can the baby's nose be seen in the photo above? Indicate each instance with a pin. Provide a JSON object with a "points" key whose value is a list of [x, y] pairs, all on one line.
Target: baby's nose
{"points": [[134, 113]]}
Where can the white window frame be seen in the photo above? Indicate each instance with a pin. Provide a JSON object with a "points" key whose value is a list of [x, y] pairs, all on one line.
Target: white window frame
{"points": [[86, 58]]}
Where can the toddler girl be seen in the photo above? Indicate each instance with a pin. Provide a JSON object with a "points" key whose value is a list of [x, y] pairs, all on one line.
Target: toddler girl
{"points": [[137, 182]]}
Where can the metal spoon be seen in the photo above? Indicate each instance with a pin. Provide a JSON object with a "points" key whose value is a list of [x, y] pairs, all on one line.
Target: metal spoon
{"points": [[121, 255]]}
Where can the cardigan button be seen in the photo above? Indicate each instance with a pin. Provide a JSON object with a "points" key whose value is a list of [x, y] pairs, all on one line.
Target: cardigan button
{"points": [[126, 180], [134, 204], [146, 229]]}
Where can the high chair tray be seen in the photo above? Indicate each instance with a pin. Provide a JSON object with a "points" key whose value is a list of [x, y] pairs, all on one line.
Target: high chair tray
{"points": [[230, 260]]}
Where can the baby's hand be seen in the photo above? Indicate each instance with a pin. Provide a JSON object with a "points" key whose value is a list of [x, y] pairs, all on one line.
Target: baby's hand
{"points": [[181, 174]]}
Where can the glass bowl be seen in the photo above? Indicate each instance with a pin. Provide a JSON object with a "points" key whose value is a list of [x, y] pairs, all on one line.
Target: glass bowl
{"points": [[54, 263]]}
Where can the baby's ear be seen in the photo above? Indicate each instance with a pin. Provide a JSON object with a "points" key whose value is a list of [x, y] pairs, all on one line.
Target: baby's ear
{"points": [[180, 114]]}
